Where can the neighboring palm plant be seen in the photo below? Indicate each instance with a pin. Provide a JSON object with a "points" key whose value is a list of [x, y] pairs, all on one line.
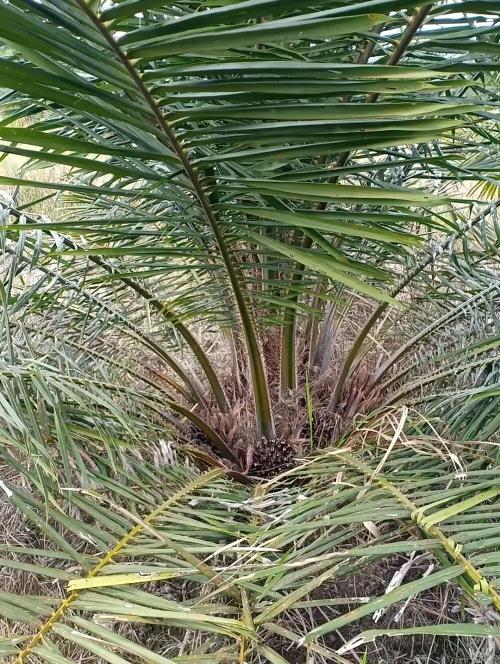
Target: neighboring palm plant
{"points": [[266, 240]]}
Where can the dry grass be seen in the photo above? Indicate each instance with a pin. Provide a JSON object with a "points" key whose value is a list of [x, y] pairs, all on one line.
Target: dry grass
{"points": [[14, 166]]}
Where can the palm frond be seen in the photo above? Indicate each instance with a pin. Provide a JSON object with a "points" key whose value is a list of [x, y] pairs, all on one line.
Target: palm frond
{"points": [[203, 154], [265, 554]]}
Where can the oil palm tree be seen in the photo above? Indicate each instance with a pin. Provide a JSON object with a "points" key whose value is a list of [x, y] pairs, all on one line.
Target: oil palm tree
{"points": [[264, 236]]}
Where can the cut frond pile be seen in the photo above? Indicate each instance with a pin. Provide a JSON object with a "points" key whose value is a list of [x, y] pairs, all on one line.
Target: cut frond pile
{"points": [[219, 570]]}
